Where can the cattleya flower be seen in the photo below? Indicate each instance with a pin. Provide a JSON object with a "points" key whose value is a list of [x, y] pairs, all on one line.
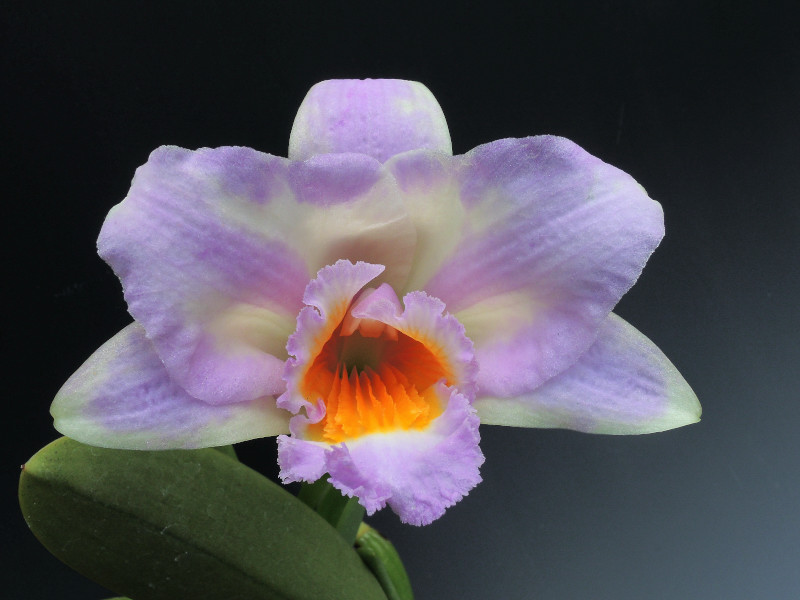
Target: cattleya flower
{"points": [[372, 299]]}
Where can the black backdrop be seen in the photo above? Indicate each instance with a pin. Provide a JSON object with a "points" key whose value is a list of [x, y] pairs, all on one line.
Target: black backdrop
{"points": [[697, 100]]}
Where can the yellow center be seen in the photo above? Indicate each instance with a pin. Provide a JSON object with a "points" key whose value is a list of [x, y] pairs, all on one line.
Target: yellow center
{"points": [[375, 379]]}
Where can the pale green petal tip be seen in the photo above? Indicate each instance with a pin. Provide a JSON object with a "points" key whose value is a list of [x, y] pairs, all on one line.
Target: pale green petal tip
{"points": [[244, 422], [682, 408], [683, 405], [122, 397], [624, 385]]}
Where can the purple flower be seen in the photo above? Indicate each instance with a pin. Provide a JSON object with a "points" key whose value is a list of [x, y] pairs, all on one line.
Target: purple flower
{"points": [[376, 299]]}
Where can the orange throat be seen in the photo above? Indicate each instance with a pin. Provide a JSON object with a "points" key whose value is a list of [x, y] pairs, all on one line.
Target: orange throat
{"points": [[375, 379]]}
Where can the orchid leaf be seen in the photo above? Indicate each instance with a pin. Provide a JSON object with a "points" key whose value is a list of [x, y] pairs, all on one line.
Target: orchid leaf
{"points": [[184, 524], [228, 451]]}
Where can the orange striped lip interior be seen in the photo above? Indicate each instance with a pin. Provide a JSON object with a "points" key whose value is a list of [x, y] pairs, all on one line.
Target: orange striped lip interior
{"points": [[373, 379]]}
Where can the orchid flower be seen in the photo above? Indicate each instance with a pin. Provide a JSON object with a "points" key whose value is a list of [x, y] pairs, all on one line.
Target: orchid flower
{"points": [[373, 299]]}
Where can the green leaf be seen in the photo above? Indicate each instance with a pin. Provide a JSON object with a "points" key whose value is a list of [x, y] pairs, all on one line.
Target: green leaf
{"points": [[184, 524], [228, 451], [380, 555]]}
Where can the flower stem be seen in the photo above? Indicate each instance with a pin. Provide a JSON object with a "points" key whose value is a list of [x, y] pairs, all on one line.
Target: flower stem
{"points": [[381, 557], [378, 553], [344, 514]]}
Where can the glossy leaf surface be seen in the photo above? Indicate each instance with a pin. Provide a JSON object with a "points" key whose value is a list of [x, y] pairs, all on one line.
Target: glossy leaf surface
{"points": [[184, 524]]}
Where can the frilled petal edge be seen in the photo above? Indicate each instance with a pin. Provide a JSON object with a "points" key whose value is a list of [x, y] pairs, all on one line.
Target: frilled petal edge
{"points": [[122, 397], [419, 474], [623, 384]]}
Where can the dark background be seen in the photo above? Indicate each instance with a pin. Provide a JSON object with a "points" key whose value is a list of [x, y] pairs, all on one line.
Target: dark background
{"points": [[698, 101]]}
